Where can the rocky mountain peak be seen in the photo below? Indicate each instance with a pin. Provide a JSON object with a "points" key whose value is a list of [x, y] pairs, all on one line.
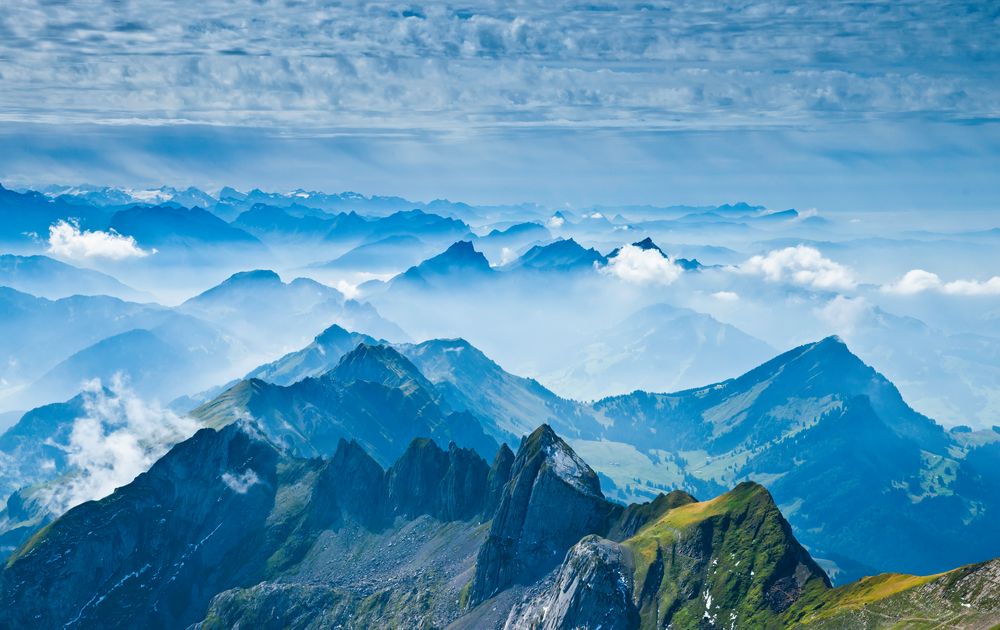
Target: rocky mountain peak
{"points": [[378, 364], [332, 335], [555, 455], [647, 243], [527, 538]]}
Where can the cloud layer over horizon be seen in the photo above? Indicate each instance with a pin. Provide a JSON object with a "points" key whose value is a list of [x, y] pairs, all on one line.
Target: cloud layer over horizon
{"points": [[388, 65], [871, 102]]}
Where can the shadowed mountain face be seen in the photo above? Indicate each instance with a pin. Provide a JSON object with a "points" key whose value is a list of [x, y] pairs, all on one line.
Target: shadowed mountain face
{"points": [[389, 254], [647, 244], [310, 401], [507, 405], [527, 538], [39, 436], [247, 289], [26, 216], [739, 412], [298, 224], [226, 509], [501, 245], [153, 366], [374, 395], [464, 378], [228, 531]]}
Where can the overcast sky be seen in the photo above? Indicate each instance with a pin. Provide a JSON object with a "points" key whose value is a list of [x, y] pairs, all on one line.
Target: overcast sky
{"points": [[834, 104]]}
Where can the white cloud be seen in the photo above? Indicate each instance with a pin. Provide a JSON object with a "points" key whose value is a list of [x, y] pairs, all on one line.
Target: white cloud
{"points": [[349, 290], [726, 296], [973, 287], [636, 265], [802, 265], [506, 255], [918, 280], [242, 482], [843, 314], [67, 240], [914, 281], [118, 437], [555, 222]]}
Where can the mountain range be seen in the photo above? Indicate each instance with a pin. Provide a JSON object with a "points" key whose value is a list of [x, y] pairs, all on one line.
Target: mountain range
{"points": [[273, 450], [894, 481], [227, 530], [815, 410]]}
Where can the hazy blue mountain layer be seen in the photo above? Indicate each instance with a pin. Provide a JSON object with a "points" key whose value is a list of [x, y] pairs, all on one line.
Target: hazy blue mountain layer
{"points": [[49, 278]]}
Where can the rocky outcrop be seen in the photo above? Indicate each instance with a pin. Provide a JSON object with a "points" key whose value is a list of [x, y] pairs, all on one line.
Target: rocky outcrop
{"points": [[222, 509], [414, 481], [463, 490], [426, 480], [275, 606], [497, 479], [352, 485], [552, 500], [593, 589]]}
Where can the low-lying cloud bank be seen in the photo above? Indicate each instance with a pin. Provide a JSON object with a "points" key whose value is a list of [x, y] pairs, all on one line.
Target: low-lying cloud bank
{"points": [[802, 265], [918, 281], [119, 437]]}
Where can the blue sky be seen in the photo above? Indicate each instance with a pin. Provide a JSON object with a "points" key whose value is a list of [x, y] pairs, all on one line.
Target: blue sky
{"points": [[887, 104]]}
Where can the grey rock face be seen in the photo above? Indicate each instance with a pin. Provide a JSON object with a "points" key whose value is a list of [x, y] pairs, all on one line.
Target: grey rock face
{"points": [[593, 589], [426, 480], [529, 535], [498, 477], [352, 483]]}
